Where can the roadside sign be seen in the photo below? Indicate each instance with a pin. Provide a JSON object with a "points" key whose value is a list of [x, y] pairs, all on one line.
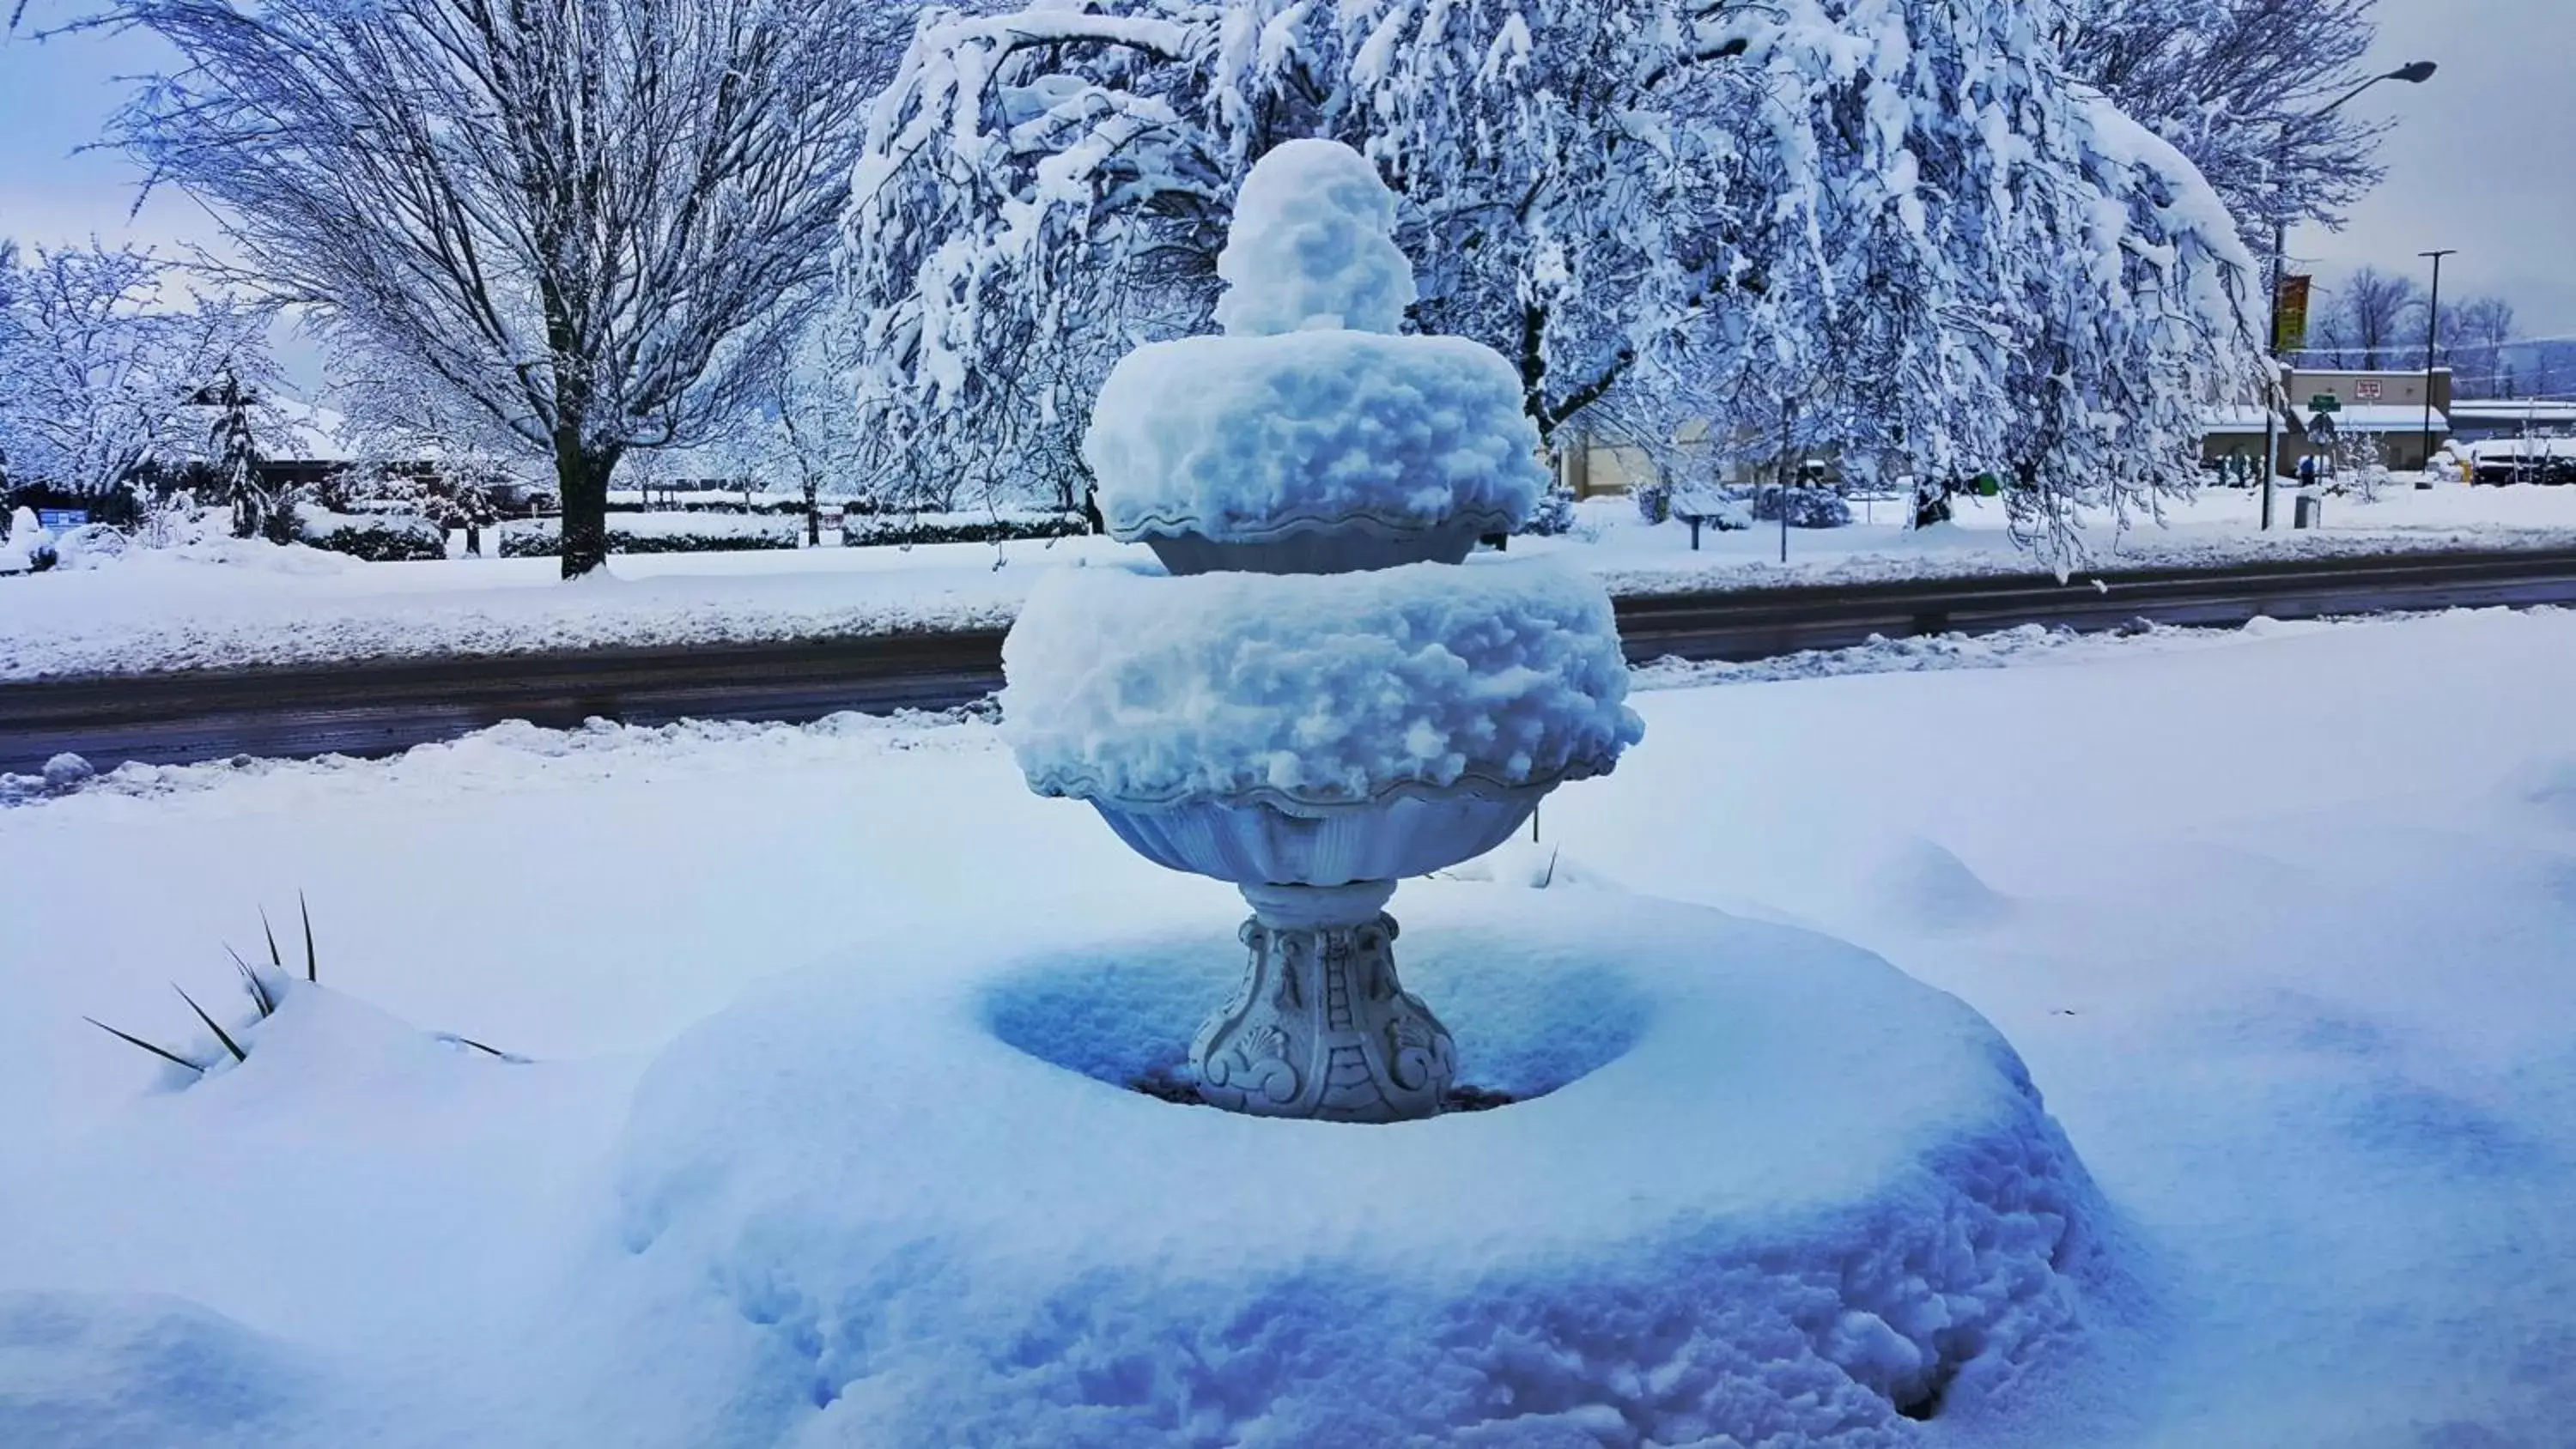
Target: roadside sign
{"points": [[55, 520], [2325, 402]]}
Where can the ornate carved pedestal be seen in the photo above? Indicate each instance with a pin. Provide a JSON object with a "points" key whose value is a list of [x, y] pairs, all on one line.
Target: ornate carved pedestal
{"points": [[1321, 1027]]}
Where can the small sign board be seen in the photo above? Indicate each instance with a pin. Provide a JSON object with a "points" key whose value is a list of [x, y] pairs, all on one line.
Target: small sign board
{"points": [[2325, 402], [2366, 389], [56, 520]]}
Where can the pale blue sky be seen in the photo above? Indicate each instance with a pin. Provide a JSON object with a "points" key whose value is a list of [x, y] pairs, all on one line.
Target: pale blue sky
{"points": [[2481, 160]]}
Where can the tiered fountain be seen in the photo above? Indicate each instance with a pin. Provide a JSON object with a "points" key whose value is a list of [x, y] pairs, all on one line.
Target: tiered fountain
{"points": [[1779, 1192], [1317, 701]]}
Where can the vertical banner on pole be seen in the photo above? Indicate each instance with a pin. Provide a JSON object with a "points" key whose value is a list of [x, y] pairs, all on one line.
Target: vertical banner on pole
{"points": [[2293, 314]]}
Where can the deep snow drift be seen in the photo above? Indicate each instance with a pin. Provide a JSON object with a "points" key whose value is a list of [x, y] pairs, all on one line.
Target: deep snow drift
{"points": [[2279, 921]]}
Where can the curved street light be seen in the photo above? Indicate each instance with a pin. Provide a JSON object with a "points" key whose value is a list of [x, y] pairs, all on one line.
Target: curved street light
{"points": [[2414, 72]]}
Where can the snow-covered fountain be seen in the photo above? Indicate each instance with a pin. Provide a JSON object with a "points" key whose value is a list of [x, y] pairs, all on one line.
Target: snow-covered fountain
{"points": [[1751, 1184], [1319, 702]]}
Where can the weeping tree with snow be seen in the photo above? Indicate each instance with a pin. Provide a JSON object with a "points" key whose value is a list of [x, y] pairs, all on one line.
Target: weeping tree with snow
{"points": [[581, 219], [102, 377], [2235, 85], [1895, 214]]}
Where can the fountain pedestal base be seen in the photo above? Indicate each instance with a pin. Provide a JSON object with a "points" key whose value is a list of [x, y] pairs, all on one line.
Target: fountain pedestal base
{"points": [[1321, 1027]]}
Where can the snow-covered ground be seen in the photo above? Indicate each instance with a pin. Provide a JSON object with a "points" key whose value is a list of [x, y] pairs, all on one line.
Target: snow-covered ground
{"points": [[242, 603], [2283, 922]]}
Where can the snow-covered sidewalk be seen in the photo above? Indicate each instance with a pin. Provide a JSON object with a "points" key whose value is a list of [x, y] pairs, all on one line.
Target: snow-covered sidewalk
{"points": [[2279, 919], [237, 604]]}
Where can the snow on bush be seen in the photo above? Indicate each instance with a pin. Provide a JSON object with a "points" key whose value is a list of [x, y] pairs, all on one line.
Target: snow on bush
{"points": [[1312, 246], [1325, 689], [1806, 507], [658, 533], [376, 537], [27, 549], [1554, 515], [91, 545], [1241, 436]]}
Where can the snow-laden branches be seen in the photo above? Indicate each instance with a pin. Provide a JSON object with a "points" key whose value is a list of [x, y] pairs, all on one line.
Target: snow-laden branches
{"points": [[578, 218], [101, 377], [1891, 222], [2236, 86]]}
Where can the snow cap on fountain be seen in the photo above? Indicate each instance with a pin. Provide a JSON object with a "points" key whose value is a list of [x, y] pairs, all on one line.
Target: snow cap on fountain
{"points": [[1313, 437], [1312, 246]]}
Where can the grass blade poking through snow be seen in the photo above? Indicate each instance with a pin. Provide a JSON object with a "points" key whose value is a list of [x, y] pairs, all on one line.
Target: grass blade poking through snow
{"points": [[276, 958], [251, 983], [164, 1053], [220, 1034], [312, 963]]}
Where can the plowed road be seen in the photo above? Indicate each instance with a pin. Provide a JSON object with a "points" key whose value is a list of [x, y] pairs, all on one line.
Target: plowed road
{"points": [[380, 706]]}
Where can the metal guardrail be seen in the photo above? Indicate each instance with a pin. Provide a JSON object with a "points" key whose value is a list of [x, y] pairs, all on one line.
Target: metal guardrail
{"points": [[381, 706]]}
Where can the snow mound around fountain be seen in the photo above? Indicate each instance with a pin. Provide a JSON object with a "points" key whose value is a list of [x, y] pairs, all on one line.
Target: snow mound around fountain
{"points": [[1760, 1188], [1254, 436], [1322, 689]]}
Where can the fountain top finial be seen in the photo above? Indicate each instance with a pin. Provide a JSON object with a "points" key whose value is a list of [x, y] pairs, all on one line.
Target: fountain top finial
{"points": [[1312, 246]]}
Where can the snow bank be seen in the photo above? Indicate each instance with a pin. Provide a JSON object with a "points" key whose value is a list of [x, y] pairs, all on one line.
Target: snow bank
{"points": [[1236, 437], [1324, 689], [1312, 245], [1768, 1188], [113, 1370]]}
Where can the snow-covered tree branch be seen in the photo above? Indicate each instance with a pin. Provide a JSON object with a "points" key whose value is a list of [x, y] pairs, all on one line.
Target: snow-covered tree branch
{"points": [[2234, 84], [100, 377], [1898, 213]]}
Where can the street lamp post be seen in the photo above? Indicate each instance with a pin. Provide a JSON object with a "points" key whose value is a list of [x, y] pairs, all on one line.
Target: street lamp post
{"points": [[2432, 335], [2413, 73]]}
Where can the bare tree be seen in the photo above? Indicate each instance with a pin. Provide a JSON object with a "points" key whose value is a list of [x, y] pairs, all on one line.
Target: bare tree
{"points": [[2329, 339], [2474, 338], [2376, 309], [582, 219], [2233, 85]]}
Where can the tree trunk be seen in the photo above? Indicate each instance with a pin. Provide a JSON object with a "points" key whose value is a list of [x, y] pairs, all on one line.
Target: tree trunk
{"points": [[813, 518], [581, 478]]}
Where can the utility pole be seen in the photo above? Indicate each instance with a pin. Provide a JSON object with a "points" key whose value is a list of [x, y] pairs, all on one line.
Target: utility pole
{"points": [[2432, 336], [2413, 73]]}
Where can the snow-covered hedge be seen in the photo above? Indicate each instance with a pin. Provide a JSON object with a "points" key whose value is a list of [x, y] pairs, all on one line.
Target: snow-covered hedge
{"points": [[637, 500], [1241, 437], [658, 533], [988, 526], [1554, 515], [1325, 689], [1807, 507], [376, 537]]}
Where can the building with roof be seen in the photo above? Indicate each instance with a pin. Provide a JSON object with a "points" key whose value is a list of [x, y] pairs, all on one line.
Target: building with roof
{"points": [[2479, 420], [2407, 415]]}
